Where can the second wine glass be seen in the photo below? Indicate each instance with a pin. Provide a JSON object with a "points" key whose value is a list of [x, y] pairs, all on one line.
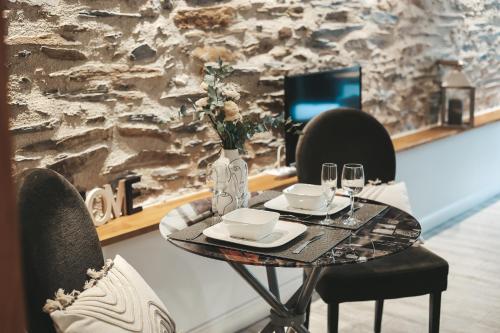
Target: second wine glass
{"points": [[353, 181], [329, 183]]}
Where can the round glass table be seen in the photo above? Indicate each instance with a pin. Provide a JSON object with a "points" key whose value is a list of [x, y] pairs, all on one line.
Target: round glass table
{"points": [[390, 232]]}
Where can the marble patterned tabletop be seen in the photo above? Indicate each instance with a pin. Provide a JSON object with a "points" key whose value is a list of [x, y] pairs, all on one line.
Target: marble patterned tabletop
{"points": [[390, 232]]}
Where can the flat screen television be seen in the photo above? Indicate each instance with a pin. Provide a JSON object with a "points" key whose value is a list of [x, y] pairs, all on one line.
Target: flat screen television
{"points": [[307, 95]]}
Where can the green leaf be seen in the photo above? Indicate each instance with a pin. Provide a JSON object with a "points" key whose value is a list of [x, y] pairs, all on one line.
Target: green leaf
{"points": [[182, 110], [209, 79], [211, 93], [209, 70], [220, 116]]}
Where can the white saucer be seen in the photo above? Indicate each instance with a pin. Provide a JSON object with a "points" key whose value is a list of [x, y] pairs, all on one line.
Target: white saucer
{"points": [[282, 233], [281, 204]]}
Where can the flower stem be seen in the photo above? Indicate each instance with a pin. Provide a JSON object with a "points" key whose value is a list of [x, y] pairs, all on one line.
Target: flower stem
{"points": [[214, 124]]}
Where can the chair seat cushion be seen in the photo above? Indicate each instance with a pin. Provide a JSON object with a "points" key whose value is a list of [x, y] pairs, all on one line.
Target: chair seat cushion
{"points": [[412, 272]]}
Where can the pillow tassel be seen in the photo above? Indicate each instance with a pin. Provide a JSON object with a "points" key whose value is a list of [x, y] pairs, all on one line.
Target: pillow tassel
{"points": [[51, 306], [375, 182], [97, 275], [89, 284], [62, 300]]}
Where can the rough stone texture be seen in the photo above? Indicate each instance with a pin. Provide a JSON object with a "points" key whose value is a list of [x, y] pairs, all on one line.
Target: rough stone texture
{"points": [[108, 109], [62, 53], [45, 39], [105, 13], [204, 18], [285, 33], [141, 52], [214, 53]]}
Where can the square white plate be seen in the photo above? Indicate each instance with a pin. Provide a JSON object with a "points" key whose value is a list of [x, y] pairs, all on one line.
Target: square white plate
{"points": [[281, 204], [282, 233]]}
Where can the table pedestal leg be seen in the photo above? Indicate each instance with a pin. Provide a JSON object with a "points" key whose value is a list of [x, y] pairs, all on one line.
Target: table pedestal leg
{"points": [[308, 309], [291, 314], [272, 281]]}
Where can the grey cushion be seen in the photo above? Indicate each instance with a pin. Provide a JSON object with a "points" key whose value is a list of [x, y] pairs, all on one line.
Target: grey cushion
{"points": [[59, 241]]}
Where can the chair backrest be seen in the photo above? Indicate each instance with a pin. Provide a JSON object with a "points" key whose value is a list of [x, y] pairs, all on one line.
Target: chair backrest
{"points": [[345, 136], [59, 241]]}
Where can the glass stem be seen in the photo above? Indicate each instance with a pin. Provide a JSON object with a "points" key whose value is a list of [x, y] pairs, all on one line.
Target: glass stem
{"points": [[328, 204], [351, 213]]}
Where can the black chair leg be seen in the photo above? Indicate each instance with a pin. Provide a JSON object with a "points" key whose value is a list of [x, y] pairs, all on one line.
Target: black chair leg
{"points": [[333, 318], [379, 308], [434, 312]]}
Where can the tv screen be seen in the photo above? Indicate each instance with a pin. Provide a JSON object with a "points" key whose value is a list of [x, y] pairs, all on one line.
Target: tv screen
{"points": [[308, 95]]}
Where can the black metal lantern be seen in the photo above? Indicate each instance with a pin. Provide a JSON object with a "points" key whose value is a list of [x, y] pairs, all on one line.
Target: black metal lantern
{"points": [[456, 93]]}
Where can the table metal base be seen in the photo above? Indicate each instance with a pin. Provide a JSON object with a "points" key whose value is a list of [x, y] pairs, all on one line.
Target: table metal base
{"points": [[292, 314]]}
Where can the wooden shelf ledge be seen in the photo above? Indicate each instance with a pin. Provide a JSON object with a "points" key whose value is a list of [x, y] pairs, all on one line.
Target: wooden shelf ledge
{"points": [[415, 139], [149, 219]]}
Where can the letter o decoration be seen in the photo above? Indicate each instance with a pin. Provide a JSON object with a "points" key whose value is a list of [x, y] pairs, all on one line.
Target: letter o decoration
{"points": [[92, 196]]}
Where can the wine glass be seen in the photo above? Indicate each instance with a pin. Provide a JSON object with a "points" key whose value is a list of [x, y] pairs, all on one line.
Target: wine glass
{"points": [[353, 181], [329, 183]]}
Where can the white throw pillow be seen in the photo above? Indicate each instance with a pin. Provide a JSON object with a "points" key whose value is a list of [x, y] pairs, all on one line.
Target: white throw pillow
{"points": [[394, 194], [115, 300]]}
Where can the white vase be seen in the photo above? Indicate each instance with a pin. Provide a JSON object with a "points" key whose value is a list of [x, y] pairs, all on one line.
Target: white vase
{"points": [[230, 182]]}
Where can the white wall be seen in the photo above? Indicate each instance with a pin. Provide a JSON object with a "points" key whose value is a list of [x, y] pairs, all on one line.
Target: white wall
{"points": [[444, 178], [451, 175]]}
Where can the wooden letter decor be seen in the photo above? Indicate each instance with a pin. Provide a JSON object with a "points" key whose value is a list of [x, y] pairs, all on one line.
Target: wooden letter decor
{"points": [[103, 205], [130, 194]]}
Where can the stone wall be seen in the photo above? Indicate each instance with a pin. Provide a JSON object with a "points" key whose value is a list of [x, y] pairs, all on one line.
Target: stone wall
{"points": [[94, 84]]}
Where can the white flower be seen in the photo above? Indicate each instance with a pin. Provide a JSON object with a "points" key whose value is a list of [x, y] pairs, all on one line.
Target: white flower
{"points": [[231, 111], [231, 91], [204, 85], [201, 103]]}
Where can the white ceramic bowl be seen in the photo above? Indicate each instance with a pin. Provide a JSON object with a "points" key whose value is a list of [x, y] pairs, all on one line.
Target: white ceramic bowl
{"points": [[305, 196], [248, 223]]}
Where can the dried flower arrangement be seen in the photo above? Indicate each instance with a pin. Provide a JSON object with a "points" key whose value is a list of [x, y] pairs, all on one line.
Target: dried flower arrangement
{"points": [[221, 109]]}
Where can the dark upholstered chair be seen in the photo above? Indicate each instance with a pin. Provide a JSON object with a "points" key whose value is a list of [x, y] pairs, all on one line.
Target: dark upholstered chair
{"points": [[344, 136], [59, 241]]}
